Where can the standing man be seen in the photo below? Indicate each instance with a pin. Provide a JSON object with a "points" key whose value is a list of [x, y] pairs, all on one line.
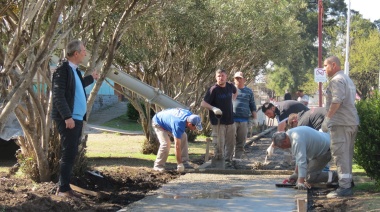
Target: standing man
{"points": [[218, 100], [312, 152], [287, 95], [312, 118], [303, 98], [342, 119], [282, 110], [69, 110], [173, 122], [244, 107]]}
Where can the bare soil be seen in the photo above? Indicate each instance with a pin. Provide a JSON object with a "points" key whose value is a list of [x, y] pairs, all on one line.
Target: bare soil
{"points": [[123, 185]]}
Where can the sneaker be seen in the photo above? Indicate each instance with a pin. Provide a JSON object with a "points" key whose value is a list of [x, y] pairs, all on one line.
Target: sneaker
{"points": [[159, 169], [187, 165], [340, 192]]}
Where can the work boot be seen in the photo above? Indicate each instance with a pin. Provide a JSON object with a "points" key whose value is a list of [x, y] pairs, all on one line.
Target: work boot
{"points": [[69, 194], [187, 165], [340, 192]]}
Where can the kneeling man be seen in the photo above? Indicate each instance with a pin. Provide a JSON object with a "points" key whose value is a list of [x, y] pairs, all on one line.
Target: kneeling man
{"points": [[311, 149]]}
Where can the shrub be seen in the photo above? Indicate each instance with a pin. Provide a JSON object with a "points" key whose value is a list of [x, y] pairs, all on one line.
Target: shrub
{"points": [[133, 114], [367, 145]]}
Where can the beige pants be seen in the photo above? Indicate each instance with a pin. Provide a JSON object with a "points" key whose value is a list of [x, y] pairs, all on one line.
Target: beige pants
{"points": [[241, 136], [164, 149], [342, 151], [227, 140]]}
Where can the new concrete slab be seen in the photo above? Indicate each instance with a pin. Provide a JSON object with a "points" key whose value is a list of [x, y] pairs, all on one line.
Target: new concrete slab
{"points": [[217, 192]]}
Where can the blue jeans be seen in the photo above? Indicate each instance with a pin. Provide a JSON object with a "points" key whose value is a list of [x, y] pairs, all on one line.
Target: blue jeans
{"points": [[69, 149]]}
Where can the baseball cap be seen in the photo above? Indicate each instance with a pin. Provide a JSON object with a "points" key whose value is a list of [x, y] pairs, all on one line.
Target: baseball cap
{"points": [[196, 121], [239, 74]]}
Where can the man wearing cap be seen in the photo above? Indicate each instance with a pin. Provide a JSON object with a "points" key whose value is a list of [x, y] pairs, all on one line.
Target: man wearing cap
{"points": [[311, 149], [244, 108], [173, 122]]}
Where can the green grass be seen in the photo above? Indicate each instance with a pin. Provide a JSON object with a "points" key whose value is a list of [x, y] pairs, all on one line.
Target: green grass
{"points": [[6, 164], [108, 150], [356, 169], [367, 186], [123, 123]]}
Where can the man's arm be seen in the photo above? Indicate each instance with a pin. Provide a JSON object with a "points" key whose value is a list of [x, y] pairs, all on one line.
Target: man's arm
{"points": [[332, 110], [281, 126], [178, 150], [206, 105]]}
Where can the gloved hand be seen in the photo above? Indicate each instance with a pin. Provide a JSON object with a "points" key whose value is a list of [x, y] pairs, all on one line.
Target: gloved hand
{"points": [[255, 123], [324, 125], [300, 186], [180, 167], [217, 111], [293, 178], [270, 150]]}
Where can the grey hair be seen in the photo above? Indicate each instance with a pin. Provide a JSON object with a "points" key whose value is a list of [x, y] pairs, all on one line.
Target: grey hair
{"points": [[278, 138], [73, 46]]}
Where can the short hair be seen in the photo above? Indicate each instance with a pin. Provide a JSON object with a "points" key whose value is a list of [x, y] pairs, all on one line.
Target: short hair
{"points": [[73, 46], [266, 106], [291, 117], [333, 59], [278, 138], [220, 70], [299, 90]]}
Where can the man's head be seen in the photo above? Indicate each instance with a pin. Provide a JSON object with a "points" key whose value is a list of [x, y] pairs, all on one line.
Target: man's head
{"points": [[299, 93], [332, 65], [75, 51], [239, 79], [221, 77], [269, 110], [194, 122], [293, 120], [281, 140]]}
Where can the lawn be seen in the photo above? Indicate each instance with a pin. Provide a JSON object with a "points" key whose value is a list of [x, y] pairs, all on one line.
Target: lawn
{"points": [[123, 123], [107, 149]]}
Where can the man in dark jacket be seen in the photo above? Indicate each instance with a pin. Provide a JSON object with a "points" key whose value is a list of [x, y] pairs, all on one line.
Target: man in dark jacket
{"points": [[69, 110]]}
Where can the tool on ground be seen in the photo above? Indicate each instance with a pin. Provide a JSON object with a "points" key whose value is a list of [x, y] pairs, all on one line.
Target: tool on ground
{"points": [[218, 160]]}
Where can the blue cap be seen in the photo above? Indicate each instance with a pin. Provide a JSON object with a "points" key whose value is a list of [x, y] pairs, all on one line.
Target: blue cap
{"points": [[196, 121]]}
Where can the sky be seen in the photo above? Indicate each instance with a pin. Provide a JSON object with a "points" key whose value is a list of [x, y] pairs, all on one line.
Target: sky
{"points": [[368, 8]]}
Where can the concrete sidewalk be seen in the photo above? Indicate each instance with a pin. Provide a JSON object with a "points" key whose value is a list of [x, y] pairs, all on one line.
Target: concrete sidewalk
{"points": [[97, 118]]}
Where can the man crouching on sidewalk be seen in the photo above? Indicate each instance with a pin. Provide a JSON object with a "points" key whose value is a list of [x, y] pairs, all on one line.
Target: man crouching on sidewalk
{"points": [[173, 122], [311, 149]]}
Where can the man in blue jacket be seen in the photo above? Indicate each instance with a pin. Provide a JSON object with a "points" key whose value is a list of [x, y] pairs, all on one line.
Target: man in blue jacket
{"points": [[69, 110]]}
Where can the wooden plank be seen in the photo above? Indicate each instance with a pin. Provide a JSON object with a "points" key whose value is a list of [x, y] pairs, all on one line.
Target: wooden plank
{"points": [[85, 191], [207, 155], [301, 205]]}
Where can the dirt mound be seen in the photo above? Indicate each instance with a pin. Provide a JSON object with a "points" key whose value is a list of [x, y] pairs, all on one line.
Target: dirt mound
{"points": [[119, 187]]}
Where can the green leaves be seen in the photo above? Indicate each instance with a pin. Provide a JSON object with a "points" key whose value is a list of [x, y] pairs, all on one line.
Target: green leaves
{"points": [[367, 146]]}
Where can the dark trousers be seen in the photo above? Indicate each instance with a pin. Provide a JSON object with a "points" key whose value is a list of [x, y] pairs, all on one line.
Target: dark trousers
{"points": [[69, 149]]}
